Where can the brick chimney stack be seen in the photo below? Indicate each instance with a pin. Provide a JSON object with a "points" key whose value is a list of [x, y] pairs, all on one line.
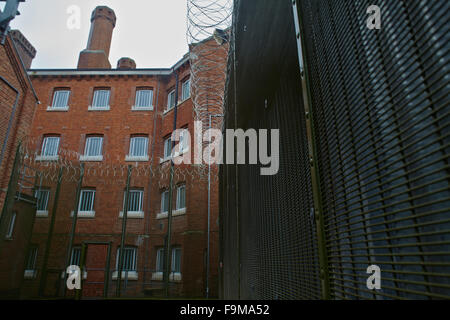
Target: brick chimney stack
{"points": [[96, 55], [25, 49], [126, 63]]}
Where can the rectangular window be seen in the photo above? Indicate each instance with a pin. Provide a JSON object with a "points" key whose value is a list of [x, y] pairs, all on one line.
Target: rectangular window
{"points": [[101, 99], [50, 147], [42, 197], [31, 259], [75, 257], [183, 143], [144, 98], [135, 200], [167, 148], [128, 260], [171, 100], [12, 222], [160, 260], [93, 147], [176, 260], [86, 200], [139, 147], [181, 197], [60, 99], [186, 89], [165, 201]]}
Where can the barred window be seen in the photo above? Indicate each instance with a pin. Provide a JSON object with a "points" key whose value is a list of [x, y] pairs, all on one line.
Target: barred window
{"points": [[128, 260], [60, 98], [176, 260], [75, 257], [167, 147], [50, 146], [31, 259], [186, 89], [93, 146], [171, 100], [86, 200], [165, 201], [139, 146], [144, 98], [12, 222], [42, 197], [101, 98], [183, 143], [160, 260], [181, 197], [135, 200]]}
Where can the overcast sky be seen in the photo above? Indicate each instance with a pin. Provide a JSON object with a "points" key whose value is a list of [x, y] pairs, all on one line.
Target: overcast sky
{"points": [[152, 32]]}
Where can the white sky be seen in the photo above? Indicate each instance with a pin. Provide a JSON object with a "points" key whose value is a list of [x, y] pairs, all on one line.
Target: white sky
{"points": [[152, 32]]}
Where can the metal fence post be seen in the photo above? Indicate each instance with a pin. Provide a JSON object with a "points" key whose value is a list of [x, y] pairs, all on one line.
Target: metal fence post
{"points": [[50, 235], [124, 230]]}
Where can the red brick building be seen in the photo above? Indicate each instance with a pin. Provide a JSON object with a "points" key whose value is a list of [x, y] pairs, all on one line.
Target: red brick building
{"points": [[17, 106], [108, 119]]}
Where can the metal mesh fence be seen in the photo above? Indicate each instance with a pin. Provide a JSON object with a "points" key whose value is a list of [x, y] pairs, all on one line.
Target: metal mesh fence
{"points": [[381, 116]]}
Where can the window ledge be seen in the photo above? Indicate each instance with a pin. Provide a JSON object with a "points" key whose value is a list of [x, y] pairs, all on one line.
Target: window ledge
{"points": [[47, 158], [42, 213], [29, 274], [91, 158], [180, 102], [178, 212], [84, 214], [134, 108], [162, 160], [159, 276], [132, 275], [133, 214], [56, 109], [136, 159], [91, 108]]}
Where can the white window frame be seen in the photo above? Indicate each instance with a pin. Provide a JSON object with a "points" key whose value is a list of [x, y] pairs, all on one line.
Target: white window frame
{"points": [[57, 98], [45, 154], [137, 105], [43, 212], [134, 157], [162, 201], [181, 187], [86, 213], [159, 268], [171, 97], [175, 275], [31, 273], [11, 225], [87, 147], [167, 149], [182, 143], [129, 274], [183, 89], [134, 214], [95, 100]]}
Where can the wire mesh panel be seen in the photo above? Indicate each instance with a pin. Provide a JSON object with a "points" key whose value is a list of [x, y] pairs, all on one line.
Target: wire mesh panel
{"points": [[381, 117]]}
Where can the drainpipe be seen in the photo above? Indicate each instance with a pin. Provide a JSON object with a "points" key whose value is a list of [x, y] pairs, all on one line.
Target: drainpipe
{"points": [[5, 142]]}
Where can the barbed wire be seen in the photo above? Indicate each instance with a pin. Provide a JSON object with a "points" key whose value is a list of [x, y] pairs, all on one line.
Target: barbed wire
{"points": [[208, 29]]}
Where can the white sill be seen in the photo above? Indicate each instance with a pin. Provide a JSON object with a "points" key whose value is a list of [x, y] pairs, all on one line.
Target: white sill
{"points": [[42, 213], [133, 214], [84, 214], [175, 213], [134, 108], [137, 159], [91, 158], [162, 160], [175, 155], [47, 158], [91, 108], [61, 109], [132, 275], [159, 276], [29, 274]]}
